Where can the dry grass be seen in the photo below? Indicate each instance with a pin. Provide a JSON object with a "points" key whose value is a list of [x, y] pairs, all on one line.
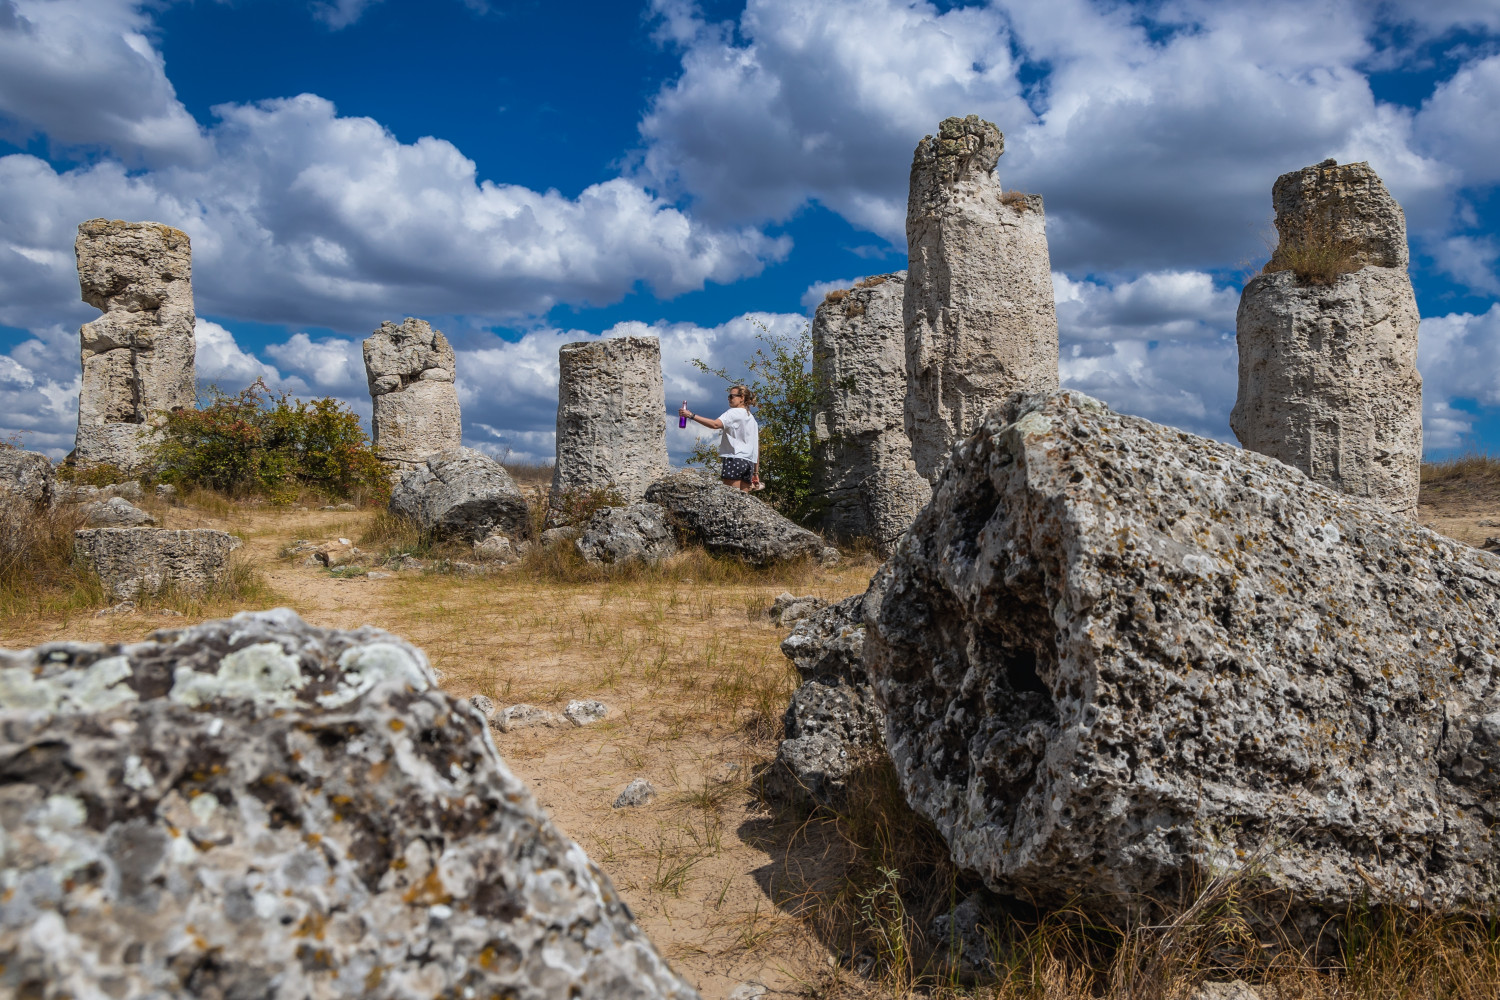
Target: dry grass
{"points": [[529, 473], [39, 577], [1318, 256], [1463, 483], [1018, 200]]}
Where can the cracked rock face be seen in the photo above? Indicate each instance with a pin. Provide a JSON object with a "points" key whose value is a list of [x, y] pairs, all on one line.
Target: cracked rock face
{"points": [[638, 533], [862, 465], [257, 807], [136, 560], [462, 494], [410, 369], [1114, 656], [138, 357], [611, 420], [728, 522], [978, 308], [27, 478], [1328, 379]]}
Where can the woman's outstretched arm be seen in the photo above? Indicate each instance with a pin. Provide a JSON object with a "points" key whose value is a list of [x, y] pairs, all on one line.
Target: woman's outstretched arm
{"points": [[717, 425]]}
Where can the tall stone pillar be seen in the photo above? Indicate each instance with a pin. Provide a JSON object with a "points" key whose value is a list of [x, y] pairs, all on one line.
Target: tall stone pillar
{"points": [[410, 370], [138, 357], [979, 316], [862, 464], [611, 420], [1327, 338]]}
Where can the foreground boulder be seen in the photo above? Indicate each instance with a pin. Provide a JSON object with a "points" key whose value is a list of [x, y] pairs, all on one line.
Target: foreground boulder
{"points": [[833, 724], [638, 533], [257, 807], [1115, 657], [132, 561], [728, 522], [462, 494]]}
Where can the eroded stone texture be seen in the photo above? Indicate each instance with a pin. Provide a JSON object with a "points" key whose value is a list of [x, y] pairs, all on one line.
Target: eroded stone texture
{"points": [[728, 522], [26, 478], [611, 420], [462, 494], [137, 560], [257, 807], [862, 464], [410, 369], [1115, 656], [1328, 378], [638, 533], [979, 316], [116, 512], [137, 357]]}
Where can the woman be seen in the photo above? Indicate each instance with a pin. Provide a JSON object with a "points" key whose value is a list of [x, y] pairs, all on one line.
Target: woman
{"points": [[739, 444]]}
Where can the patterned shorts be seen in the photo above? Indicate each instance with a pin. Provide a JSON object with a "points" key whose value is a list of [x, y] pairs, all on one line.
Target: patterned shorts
{"points": [[736, 468]]}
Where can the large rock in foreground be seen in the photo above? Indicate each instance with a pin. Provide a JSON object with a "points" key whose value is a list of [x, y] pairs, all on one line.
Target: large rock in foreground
{"points": [[728, 522], [1115, 656], [256, 807], [462, 494], [132, 561]]}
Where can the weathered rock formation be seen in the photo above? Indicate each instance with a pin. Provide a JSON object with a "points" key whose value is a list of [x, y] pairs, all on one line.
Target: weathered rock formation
{"points": [[257, 807], [862, 464], [638, 533], [611, 420], [26, 478], [728, 522], [979, 317], [131, 561], [1328, 340], [410, 369], [116, 512], [833, 724], [1115, 657], [137, 357], [462, 494]]}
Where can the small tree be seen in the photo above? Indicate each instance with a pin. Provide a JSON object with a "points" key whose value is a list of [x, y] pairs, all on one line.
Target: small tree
{"points": [[780, 375], [253, 442]]}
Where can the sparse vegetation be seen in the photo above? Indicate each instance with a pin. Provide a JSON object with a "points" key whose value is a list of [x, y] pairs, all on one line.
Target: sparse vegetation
{"points": [[1462, 482], [38, 572], [1318, 256], [94, 474], [1017, 200]]}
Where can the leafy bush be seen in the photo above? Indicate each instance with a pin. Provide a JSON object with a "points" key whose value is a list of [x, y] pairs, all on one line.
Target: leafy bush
{"points": [[781, 378], [256, 443]]}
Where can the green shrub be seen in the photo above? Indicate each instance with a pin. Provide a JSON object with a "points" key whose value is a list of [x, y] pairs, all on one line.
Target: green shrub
{"points": [[275, 446]]}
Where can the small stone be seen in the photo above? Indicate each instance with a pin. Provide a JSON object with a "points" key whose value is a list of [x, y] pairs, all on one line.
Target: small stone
{"points": [[788, 609], [748, 991], [1491, 544], [556, 536], [346, 506], [637, 793], [166, 492], [116, 512], [376, 574], [123, 607], [829, 556], [525, 716], [1235, 989], [494, 548], [485, 705], [585, 712]]}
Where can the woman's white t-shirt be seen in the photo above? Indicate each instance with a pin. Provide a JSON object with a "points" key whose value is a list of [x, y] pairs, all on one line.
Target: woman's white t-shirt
{"points": [[741, 436]]}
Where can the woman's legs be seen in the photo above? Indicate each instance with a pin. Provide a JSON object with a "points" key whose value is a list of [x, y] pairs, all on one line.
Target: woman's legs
{"points": [[738, 484]]}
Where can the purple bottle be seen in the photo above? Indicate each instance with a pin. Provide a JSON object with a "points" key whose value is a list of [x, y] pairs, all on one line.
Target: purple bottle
{"points": [[682, 421]]}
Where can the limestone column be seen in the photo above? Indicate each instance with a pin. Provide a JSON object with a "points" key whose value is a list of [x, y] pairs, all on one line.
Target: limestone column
{"points": [[138, 357], [410, 370], [611, 419], [979, 316], [1327, 339], [862, 463]]}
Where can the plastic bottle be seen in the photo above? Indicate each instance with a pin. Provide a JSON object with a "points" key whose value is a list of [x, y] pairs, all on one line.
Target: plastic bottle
{"points": [[682, 421]]}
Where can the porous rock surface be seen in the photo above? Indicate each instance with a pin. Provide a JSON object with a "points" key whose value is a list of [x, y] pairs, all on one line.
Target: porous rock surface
{"points": [[138, 357], [638, 533], [256, 807], [978, 306], [862, 466], [26, 477], [728, 522], [1328, 379], [832, 723], [115, 512], [611, 420], [137, 560], [410, 369], [1114, 656], [462, 494]]}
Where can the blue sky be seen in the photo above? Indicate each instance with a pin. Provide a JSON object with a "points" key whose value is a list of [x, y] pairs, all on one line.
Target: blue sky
{"points": [[527, 174]]}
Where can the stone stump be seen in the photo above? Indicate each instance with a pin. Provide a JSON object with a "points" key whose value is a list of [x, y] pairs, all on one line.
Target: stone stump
{"points": [[410, 370], [611, 420], [1327, 338], [979, 316], [131, 561], [862, 464], [138, 357]]}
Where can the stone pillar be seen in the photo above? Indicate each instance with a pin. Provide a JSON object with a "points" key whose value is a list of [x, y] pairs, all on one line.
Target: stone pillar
{"points": [[979, 316], [138, 357], [410, 369], [862, 464], [1328, 339], [611, 420]]}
